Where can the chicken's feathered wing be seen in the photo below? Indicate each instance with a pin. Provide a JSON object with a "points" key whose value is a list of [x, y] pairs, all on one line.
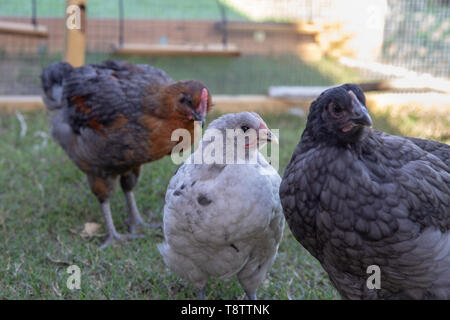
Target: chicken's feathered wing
{"points": [[98, 95], [99, 115], [440, 150]]}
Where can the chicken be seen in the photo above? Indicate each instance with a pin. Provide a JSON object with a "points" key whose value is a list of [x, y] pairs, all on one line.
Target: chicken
{"points": [[222, 218], [111, 118], [358, 199]]}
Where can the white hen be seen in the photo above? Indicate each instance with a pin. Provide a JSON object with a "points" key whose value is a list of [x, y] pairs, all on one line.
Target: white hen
{"points": [[221, 219]]}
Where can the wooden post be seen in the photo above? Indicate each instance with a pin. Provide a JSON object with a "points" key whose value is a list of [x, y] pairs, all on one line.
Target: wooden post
{"points": [[75, 39], [24, 29]]}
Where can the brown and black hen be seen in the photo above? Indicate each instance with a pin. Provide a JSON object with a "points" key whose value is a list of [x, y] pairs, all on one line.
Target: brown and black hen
{"points": [[356, 197], [111, 118]]}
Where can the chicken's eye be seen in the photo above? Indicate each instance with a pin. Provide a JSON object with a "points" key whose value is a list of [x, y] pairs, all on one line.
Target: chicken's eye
{"points": [[335, 110], [185, 99], [244, 128]]}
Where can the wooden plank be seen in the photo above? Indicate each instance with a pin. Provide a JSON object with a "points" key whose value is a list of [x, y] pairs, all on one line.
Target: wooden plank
{"points": [[11, 103], [24, 29], [222, 103], [296, 91], [257, 103], [177, 50], [418, 85], [433, 102], [75, 39], [423, 102], [297, 27], [403, 78]]}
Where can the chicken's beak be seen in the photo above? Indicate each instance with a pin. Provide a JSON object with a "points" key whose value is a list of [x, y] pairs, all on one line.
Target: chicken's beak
{"points": [[364, 119], [267, 135], [360, 113], [202, 108], [272, 138], [198, 117]]}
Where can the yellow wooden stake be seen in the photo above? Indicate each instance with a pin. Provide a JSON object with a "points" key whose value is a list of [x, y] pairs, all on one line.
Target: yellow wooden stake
{"points": [[75, 40]]}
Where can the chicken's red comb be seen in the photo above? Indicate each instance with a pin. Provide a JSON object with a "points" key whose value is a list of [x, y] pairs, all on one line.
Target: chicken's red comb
{"points": [[262, 125], [204, 95], [203, 102]]}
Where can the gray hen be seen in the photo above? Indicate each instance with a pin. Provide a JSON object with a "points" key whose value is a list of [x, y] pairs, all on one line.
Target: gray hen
{"points": [[221, 219], [355, 197]]}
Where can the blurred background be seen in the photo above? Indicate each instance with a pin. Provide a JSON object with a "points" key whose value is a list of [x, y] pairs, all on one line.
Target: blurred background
{"points": [[269, 56], [236, 47]]}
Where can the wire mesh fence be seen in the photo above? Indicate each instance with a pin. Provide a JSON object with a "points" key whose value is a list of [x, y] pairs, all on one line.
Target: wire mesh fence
{"points": [[417, 36], [236, 47]]}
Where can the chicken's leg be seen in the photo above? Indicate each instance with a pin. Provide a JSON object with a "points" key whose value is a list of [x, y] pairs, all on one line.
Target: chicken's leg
{"points": [[250, 281], [201, 293], [134, 218], [113, 235], [251, 296], [103, 187], [128, 182]]}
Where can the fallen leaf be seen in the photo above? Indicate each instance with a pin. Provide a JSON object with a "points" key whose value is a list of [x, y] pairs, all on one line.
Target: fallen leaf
{"points": [[91, 229]]}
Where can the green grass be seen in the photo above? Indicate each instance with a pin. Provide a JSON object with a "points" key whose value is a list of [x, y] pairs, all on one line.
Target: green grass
{"points": [[45, 201], [250, 74], [133, 9]]}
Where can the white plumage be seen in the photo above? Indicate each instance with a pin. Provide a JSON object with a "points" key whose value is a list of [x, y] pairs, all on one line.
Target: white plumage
{"points": [[222, 220]]}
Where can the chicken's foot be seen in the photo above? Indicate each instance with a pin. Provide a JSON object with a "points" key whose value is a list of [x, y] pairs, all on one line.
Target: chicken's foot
{"points": [[113, 235], [134, 218]]}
